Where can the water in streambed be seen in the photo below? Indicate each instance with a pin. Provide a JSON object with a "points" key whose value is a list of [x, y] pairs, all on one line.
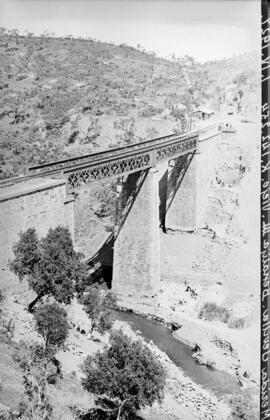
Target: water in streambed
{"points": [[218, 382]]}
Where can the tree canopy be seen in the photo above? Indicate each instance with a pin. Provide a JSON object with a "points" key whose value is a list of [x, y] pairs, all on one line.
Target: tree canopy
{"points": [[52, 324], [50, 264], [126, 372], [98, 304]]}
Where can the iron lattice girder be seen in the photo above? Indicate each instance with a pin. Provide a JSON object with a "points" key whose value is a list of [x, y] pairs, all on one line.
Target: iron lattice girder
{"points": [[96, 171], [177, 149], [61, 165]]}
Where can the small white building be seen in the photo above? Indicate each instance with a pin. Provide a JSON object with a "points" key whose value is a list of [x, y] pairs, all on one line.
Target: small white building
{"points": [[203, 113]]}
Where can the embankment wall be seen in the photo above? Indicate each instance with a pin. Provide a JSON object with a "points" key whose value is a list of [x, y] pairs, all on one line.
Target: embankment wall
{"points": [[41, 205]]}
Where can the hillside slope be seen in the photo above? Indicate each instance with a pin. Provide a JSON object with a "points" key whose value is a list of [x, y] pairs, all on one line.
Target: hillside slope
{"points": [[64, 97]]}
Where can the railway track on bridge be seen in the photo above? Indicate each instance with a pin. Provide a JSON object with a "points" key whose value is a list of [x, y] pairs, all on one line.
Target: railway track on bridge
{"points": [[116, 162]]}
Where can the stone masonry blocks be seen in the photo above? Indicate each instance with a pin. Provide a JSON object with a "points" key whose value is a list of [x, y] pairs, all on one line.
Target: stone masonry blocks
{"points": [[181, 194], [42, 207], [136, 267], [188, 186]]}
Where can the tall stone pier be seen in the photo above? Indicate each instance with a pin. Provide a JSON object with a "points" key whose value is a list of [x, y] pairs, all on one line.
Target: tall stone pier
{"points": [[136, 265], [187, 188]]}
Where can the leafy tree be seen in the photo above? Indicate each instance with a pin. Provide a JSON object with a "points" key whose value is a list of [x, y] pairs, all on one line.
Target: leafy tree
{"points": [[27, 254], [3, 31], [52, 324], [126, 373], [98, 307], [50, 265], [29, 34], [240, 93], [14, 33], [188, 61], [17, 108]]}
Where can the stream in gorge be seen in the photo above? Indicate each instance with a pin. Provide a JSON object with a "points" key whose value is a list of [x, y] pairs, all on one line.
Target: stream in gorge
{"points": [[218, 382]]}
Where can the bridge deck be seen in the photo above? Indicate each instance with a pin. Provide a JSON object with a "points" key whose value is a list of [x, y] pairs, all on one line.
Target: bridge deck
{"points": [[60, 165], [119, 161]]}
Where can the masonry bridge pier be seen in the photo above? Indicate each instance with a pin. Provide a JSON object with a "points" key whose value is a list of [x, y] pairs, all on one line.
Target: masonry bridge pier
{"points": [[161, 183]]}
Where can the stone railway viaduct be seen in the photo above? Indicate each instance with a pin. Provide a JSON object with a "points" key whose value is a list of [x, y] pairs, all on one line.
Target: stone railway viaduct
{"points": [[161, 182]]}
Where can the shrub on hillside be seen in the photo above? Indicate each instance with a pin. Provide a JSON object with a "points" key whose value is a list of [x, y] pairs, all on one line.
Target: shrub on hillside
{"points": [[7, 325], [7, 329], [126, 129], [149, 111], [243, 408], [106, 197], [93, 131], [50, 265], [211, 312], [98, 304], [52, 323], [126, 375]]}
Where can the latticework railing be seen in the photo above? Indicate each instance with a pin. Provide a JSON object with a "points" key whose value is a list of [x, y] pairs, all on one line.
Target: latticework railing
{"points": [[115, 168], [96, 171]]}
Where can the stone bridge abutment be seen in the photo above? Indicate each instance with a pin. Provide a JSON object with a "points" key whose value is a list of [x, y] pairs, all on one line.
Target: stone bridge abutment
{"points": [[42, 205]]}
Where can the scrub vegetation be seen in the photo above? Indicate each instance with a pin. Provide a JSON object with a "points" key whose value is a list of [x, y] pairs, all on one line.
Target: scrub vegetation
{"points": [[64, 97]]}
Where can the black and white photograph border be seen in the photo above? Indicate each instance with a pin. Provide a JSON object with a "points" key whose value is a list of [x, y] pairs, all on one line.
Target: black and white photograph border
{"points": [[134, 209], [265, 222]]}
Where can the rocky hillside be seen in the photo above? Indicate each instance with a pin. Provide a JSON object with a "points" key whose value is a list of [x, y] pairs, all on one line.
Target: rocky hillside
{"points": [[236, 82], [63, 97]]}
